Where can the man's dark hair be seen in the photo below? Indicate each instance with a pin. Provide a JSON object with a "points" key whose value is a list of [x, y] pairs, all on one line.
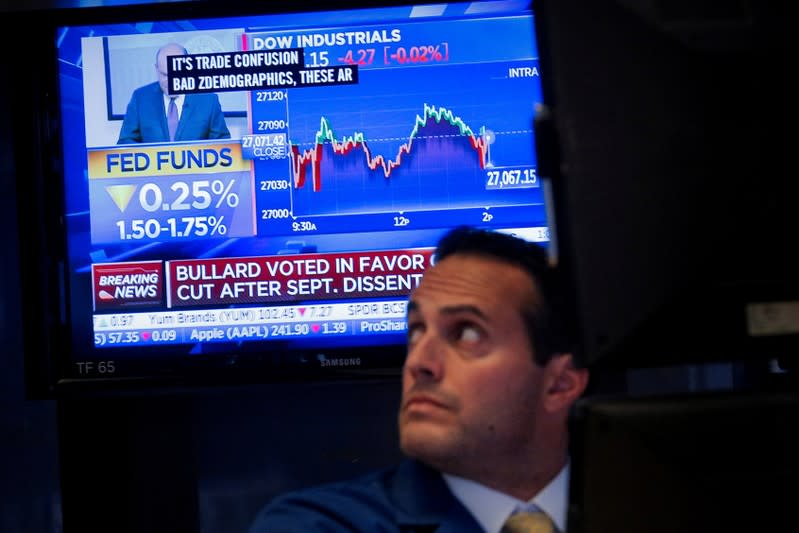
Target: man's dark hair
{"points": [[551, 322]]}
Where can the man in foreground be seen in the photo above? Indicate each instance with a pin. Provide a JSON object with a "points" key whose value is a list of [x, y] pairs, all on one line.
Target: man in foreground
{"points": [[488, 383]]}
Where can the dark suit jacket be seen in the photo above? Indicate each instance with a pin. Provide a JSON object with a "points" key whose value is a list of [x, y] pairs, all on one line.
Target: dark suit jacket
{"points": [[145, 118], [408, 498]]}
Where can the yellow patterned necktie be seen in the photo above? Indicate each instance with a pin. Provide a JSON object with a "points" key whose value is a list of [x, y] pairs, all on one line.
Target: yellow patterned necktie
{"points": [[528, 523]]}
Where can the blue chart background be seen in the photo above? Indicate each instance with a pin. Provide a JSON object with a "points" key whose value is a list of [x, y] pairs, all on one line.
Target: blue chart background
{"points": [[440, 181]]}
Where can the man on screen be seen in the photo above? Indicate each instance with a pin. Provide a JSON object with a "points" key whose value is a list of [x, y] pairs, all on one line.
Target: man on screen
{"points": [[488, 384], [155, 115]]}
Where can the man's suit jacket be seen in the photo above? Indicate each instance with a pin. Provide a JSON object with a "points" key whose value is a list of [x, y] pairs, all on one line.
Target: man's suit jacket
{"points": [[145, 118], [409, 498]]}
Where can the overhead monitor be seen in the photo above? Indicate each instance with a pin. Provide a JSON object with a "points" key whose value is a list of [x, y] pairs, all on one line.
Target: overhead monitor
{"points": [[276, 229]]}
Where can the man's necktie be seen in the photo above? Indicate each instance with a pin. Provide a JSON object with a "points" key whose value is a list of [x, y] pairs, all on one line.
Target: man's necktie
{"points": [[528, 523], [172, 118]]}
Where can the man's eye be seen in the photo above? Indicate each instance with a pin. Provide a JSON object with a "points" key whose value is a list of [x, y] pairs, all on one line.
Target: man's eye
{"points": [[414, 332], [468, 333]]}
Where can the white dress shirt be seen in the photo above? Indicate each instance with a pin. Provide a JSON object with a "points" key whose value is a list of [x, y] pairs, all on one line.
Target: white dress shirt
{"points": [[491, 508]]}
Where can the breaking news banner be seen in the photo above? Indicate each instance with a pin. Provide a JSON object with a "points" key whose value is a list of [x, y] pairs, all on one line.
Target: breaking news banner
{"points": [[253, 280], [128, 285]]}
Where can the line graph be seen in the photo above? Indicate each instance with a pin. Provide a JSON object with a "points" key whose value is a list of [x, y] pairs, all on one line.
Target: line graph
{"points": [[427, 126], [439, 145]]}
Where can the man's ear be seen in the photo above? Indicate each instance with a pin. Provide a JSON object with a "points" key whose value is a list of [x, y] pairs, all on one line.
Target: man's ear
{"points": [[564, 382]]}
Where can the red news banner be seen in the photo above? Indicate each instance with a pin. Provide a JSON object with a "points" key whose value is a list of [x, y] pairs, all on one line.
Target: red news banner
{"points": [[299, 277]]}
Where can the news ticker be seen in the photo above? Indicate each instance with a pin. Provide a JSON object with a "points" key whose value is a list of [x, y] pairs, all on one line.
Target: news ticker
{"points": [[250, 323]]}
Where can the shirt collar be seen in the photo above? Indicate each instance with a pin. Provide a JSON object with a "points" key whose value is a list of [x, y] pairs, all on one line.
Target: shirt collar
{"points": [[491, 508], [178, 101]]}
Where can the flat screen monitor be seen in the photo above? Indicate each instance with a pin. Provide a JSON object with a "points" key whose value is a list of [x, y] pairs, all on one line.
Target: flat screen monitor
{"points": [[274, 226], [699, 462]]}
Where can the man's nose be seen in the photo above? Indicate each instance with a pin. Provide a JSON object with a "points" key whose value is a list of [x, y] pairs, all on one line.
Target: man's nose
{"points": [[425, 358]]}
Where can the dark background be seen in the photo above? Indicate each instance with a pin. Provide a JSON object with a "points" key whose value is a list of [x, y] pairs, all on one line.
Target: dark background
{"points": [[676, 122]]}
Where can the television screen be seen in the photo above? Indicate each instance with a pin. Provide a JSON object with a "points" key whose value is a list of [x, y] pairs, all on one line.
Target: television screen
{"points": [[254, 196]]}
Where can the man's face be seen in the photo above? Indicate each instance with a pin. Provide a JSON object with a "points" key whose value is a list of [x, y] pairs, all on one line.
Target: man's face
{"points": [[471, 390], [161, 65]]}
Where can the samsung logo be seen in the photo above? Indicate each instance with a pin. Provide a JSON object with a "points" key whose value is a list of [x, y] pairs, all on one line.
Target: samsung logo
{"points": [[343, 361]]}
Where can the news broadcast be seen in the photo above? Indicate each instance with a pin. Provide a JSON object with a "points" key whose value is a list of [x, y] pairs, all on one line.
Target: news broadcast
{"points": [[267, 190]]}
